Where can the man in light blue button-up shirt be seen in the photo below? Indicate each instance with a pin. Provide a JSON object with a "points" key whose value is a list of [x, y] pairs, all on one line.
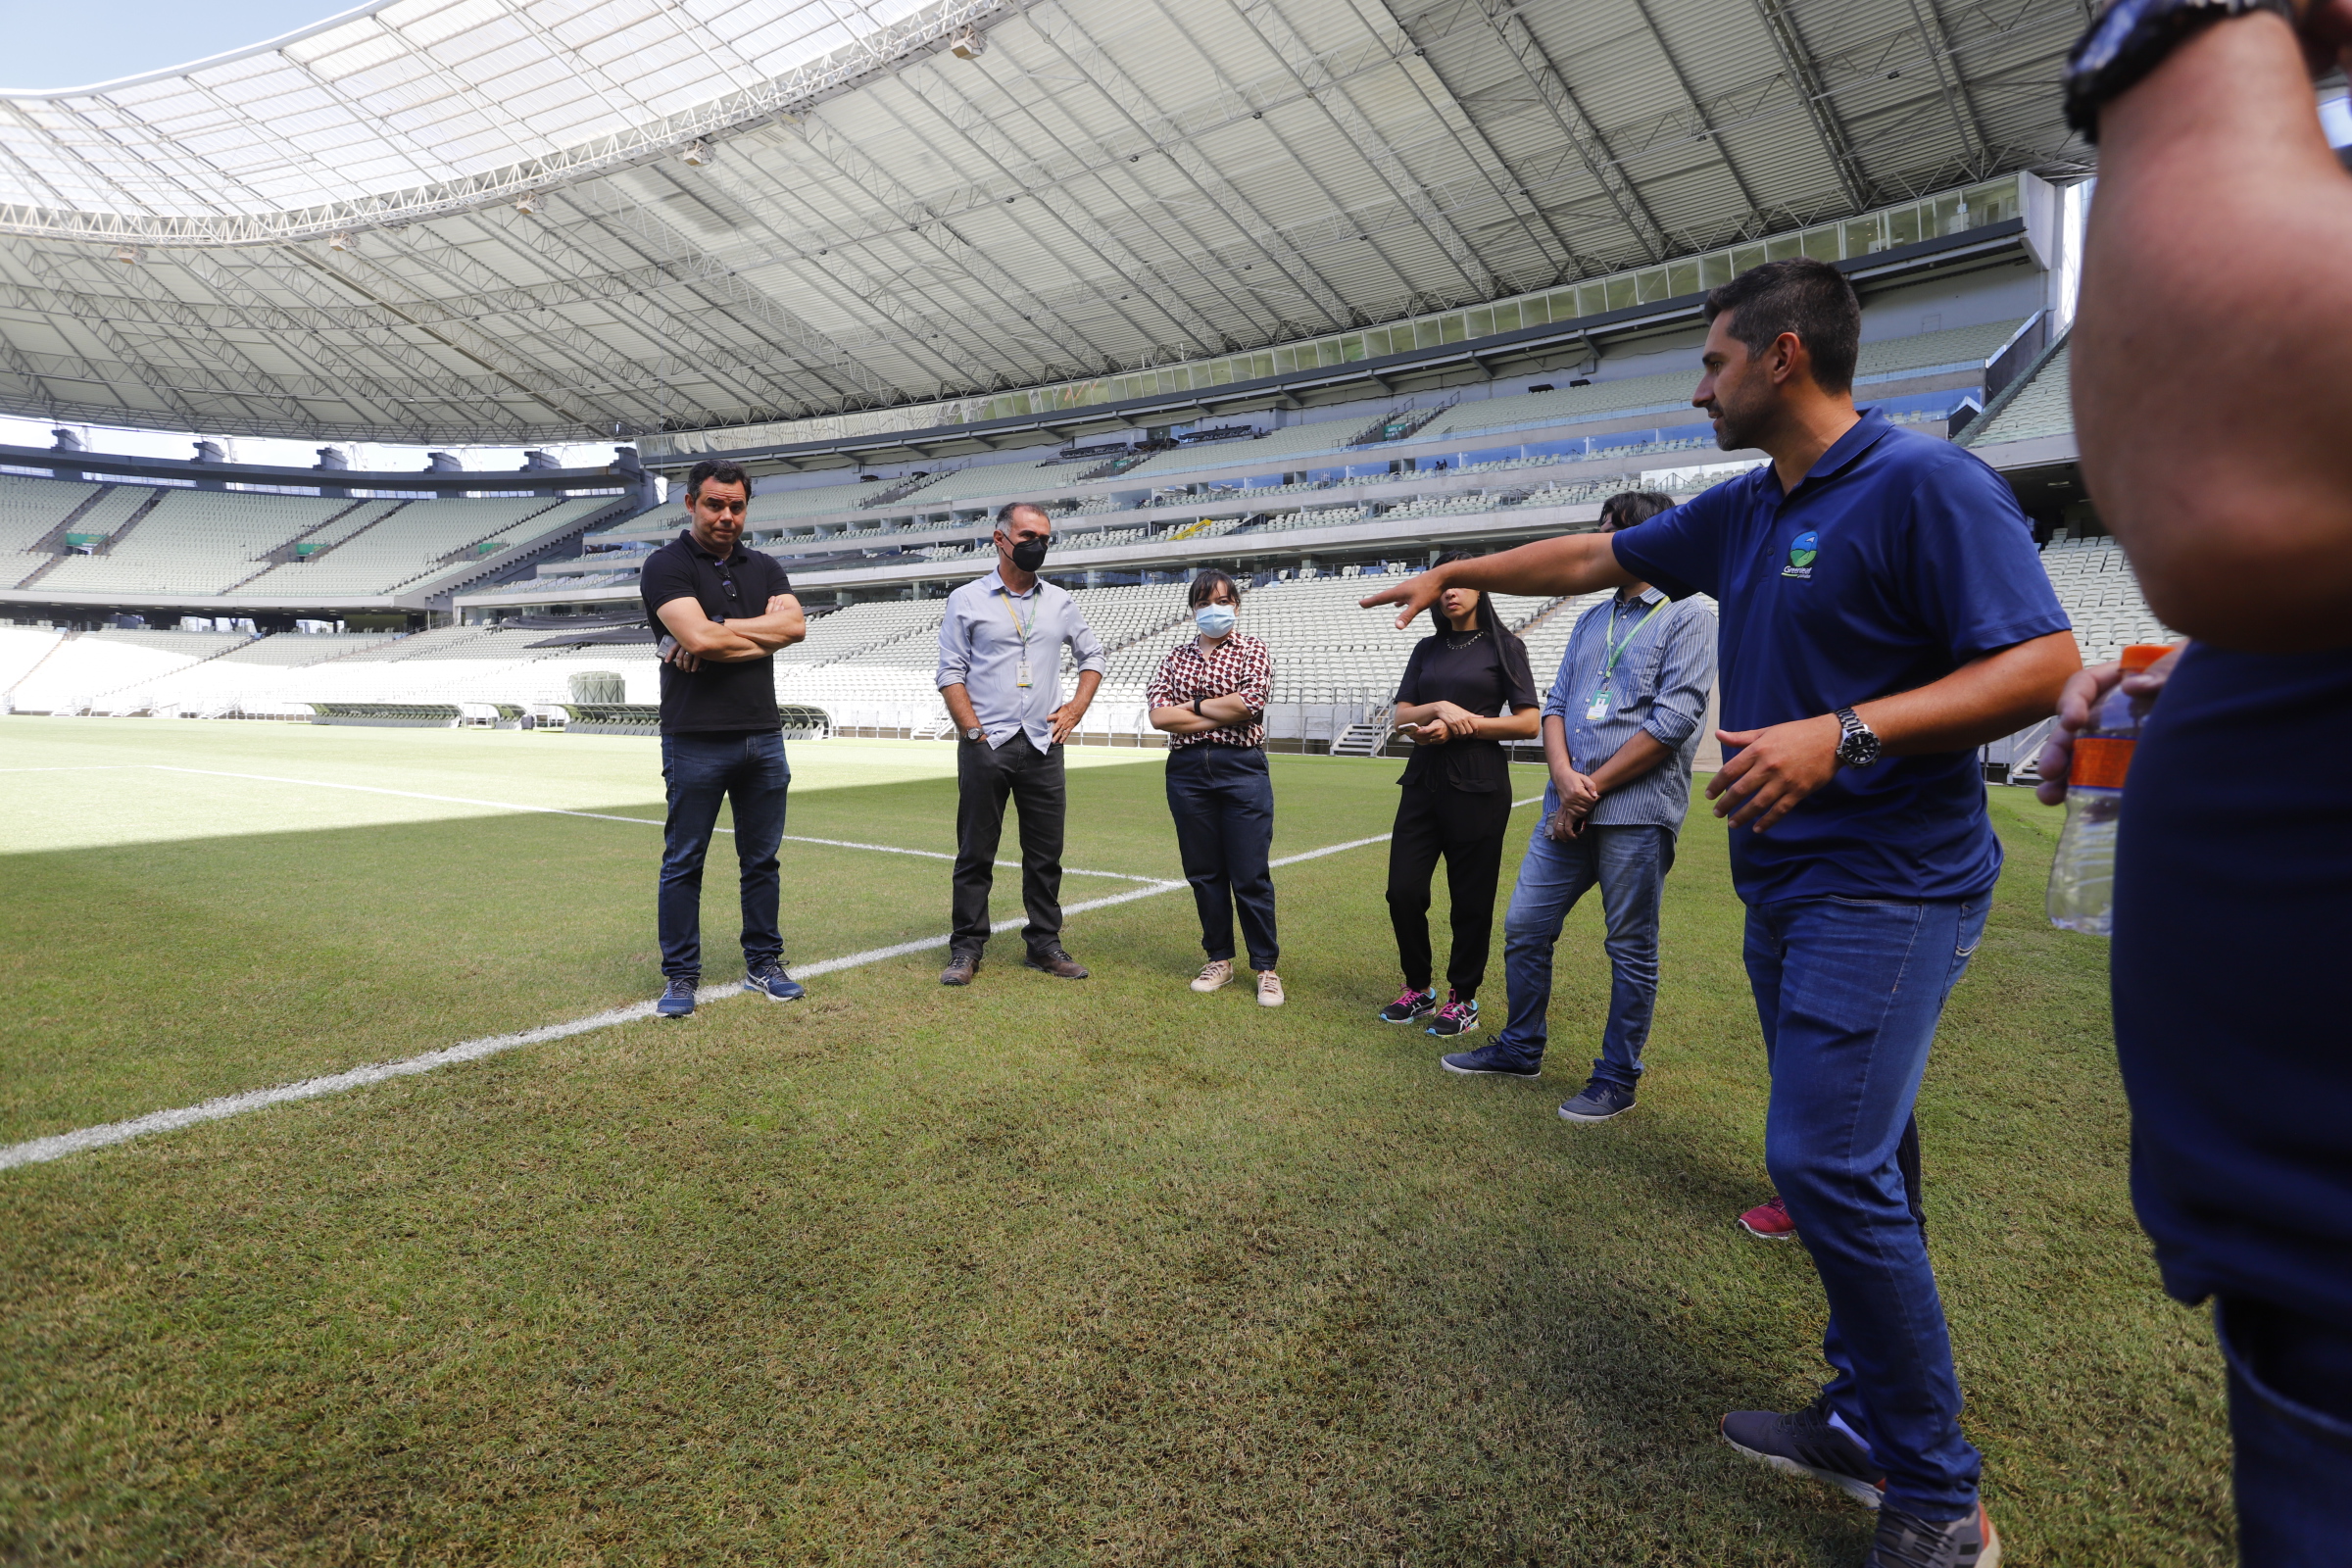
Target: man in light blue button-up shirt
{"points": [[1621, 725], [1000, 673]]}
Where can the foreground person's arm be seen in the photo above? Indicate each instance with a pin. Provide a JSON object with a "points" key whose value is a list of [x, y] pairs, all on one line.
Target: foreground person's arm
{"points": [[2215, 327]]}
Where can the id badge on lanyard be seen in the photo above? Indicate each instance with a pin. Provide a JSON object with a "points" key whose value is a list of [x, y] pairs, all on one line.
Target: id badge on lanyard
{"points": [[1021, 629], [1599, 708]]}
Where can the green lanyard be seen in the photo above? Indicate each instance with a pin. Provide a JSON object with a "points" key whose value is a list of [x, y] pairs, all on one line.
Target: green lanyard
{"points": [[1598, 708], [1617, 650]]}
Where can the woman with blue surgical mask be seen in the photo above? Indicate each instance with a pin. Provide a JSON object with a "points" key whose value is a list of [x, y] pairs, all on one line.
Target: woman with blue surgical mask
{"points": [[1209, 697]]}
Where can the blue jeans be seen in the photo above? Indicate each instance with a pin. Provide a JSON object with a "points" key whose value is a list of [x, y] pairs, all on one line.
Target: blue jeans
{"points": [[1850, 992], [1222, 799], [749, 770], [1630, 865], [2291, 1417]]}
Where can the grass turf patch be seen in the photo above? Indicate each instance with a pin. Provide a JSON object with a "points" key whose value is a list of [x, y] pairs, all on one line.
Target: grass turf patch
{"points": [[1096, 1272]]}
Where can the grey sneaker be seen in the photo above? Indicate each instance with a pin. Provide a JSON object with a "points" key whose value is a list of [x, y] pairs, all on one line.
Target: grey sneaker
{"points": [[1598, 1102], [678, 997], [1804, 1443], [1906, 1540]]}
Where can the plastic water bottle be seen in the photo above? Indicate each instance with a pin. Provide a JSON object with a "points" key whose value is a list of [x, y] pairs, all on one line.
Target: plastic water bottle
{"points": [[2082, 872]]}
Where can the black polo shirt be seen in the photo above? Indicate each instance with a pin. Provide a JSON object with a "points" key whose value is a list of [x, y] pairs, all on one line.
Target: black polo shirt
{"points": [[718, 698]]}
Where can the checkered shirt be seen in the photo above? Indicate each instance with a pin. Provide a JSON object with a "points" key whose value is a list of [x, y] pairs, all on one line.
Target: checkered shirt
{"points": [[1241, 666]]}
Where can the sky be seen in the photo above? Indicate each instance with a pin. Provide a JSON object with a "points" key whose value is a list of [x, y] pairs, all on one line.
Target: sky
{"points": [[52, 45]]}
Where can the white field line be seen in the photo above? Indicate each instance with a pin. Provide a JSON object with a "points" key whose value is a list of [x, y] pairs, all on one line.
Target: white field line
{"points": [[39, 1151], [607, 816]]}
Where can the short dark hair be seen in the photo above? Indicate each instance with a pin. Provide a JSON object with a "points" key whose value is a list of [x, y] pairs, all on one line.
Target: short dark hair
{"points": [[1440, 622], [719, 469], [1005, 512], [1799, 295], [1205, 588], [1629, 507]]}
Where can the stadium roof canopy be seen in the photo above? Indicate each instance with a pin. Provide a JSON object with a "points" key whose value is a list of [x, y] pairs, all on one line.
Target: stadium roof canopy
{"points": [[499, 221]]}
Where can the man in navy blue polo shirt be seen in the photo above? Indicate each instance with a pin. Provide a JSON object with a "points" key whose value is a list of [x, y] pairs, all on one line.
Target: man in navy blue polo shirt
{"points": [[1884, 614]]}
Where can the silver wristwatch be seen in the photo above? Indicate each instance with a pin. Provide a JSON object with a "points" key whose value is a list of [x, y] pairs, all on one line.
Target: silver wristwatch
{"points": [[976, 733], [1858, 744]]}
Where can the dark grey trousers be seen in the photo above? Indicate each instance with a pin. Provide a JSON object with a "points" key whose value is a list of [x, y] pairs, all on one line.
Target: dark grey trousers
{"points": [[986, 777]]}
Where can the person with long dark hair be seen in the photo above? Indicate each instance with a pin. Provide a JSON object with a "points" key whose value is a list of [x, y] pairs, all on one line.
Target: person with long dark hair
{"points": [[1456, 799], [1209, 696]]}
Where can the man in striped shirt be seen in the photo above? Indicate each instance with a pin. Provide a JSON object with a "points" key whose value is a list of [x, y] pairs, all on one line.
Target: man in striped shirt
{"points": [[1621, 724]]}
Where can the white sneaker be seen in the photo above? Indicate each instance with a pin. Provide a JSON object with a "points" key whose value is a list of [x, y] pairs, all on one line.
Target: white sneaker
{"points": [[1269, 989], [1215, 976]]}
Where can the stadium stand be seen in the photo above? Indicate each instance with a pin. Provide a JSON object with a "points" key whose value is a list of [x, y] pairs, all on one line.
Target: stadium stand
{"points": [[2041, 404], [196, 542], [416, 539], [2103, 597], [85, 672]]}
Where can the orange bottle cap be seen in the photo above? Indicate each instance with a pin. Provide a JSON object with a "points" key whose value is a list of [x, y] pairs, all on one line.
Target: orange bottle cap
{"points": [[2139, 655]]}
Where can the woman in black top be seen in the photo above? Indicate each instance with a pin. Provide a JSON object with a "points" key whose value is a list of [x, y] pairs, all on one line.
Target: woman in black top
{"points": [[1457, 799]]}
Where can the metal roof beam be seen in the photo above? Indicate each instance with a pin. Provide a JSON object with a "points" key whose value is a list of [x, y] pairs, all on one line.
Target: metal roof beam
{"points": [[1582, 134], [1707, 125], [918, 335], [1481, 154], [861, 170], [1271, 26], [1806, 73], [549, 247], [1055, 23], [1956, 100], [698, 269], [940, 95]]}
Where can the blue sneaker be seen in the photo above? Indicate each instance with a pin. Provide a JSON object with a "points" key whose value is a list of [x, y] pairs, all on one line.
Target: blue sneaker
{"points": [[677, 997], [767, 977], [1598, 1102], [1492, 1058]]}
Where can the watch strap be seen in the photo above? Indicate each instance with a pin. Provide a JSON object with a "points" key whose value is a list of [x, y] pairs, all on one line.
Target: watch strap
{"points": [[2131, 38]]}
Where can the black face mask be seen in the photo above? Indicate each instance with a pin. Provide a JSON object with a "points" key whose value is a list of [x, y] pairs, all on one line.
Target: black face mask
{"points": [[1030, 554]]}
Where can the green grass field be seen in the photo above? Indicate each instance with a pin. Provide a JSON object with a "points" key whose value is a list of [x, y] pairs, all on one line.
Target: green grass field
{"points": [[1039, 1272]]}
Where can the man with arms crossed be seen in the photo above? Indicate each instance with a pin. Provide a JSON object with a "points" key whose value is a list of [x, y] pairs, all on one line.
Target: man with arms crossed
{"points": [[722, 612], [999, 671], [2217, 248], [1884, 614], [1620, 728]]}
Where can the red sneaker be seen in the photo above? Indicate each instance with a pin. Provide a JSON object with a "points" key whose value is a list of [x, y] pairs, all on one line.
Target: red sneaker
{"points": [[1769, 1221]]}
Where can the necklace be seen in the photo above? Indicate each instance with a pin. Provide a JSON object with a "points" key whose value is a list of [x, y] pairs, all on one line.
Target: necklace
{"points": [[1465, 641]]}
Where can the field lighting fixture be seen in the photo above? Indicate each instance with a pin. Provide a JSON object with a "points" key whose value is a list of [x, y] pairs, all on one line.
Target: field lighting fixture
{"points": [[338, 242], [128, 255], [696, 154], [528, 203], [969, 44]]}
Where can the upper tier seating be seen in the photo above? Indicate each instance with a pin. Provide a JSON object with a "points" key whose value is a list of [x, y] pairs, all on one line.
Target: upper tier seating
{"points": [[997, 481], [1271, 452], [1669, 391], [417, 540], [2043, 407], [196, 542]]}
